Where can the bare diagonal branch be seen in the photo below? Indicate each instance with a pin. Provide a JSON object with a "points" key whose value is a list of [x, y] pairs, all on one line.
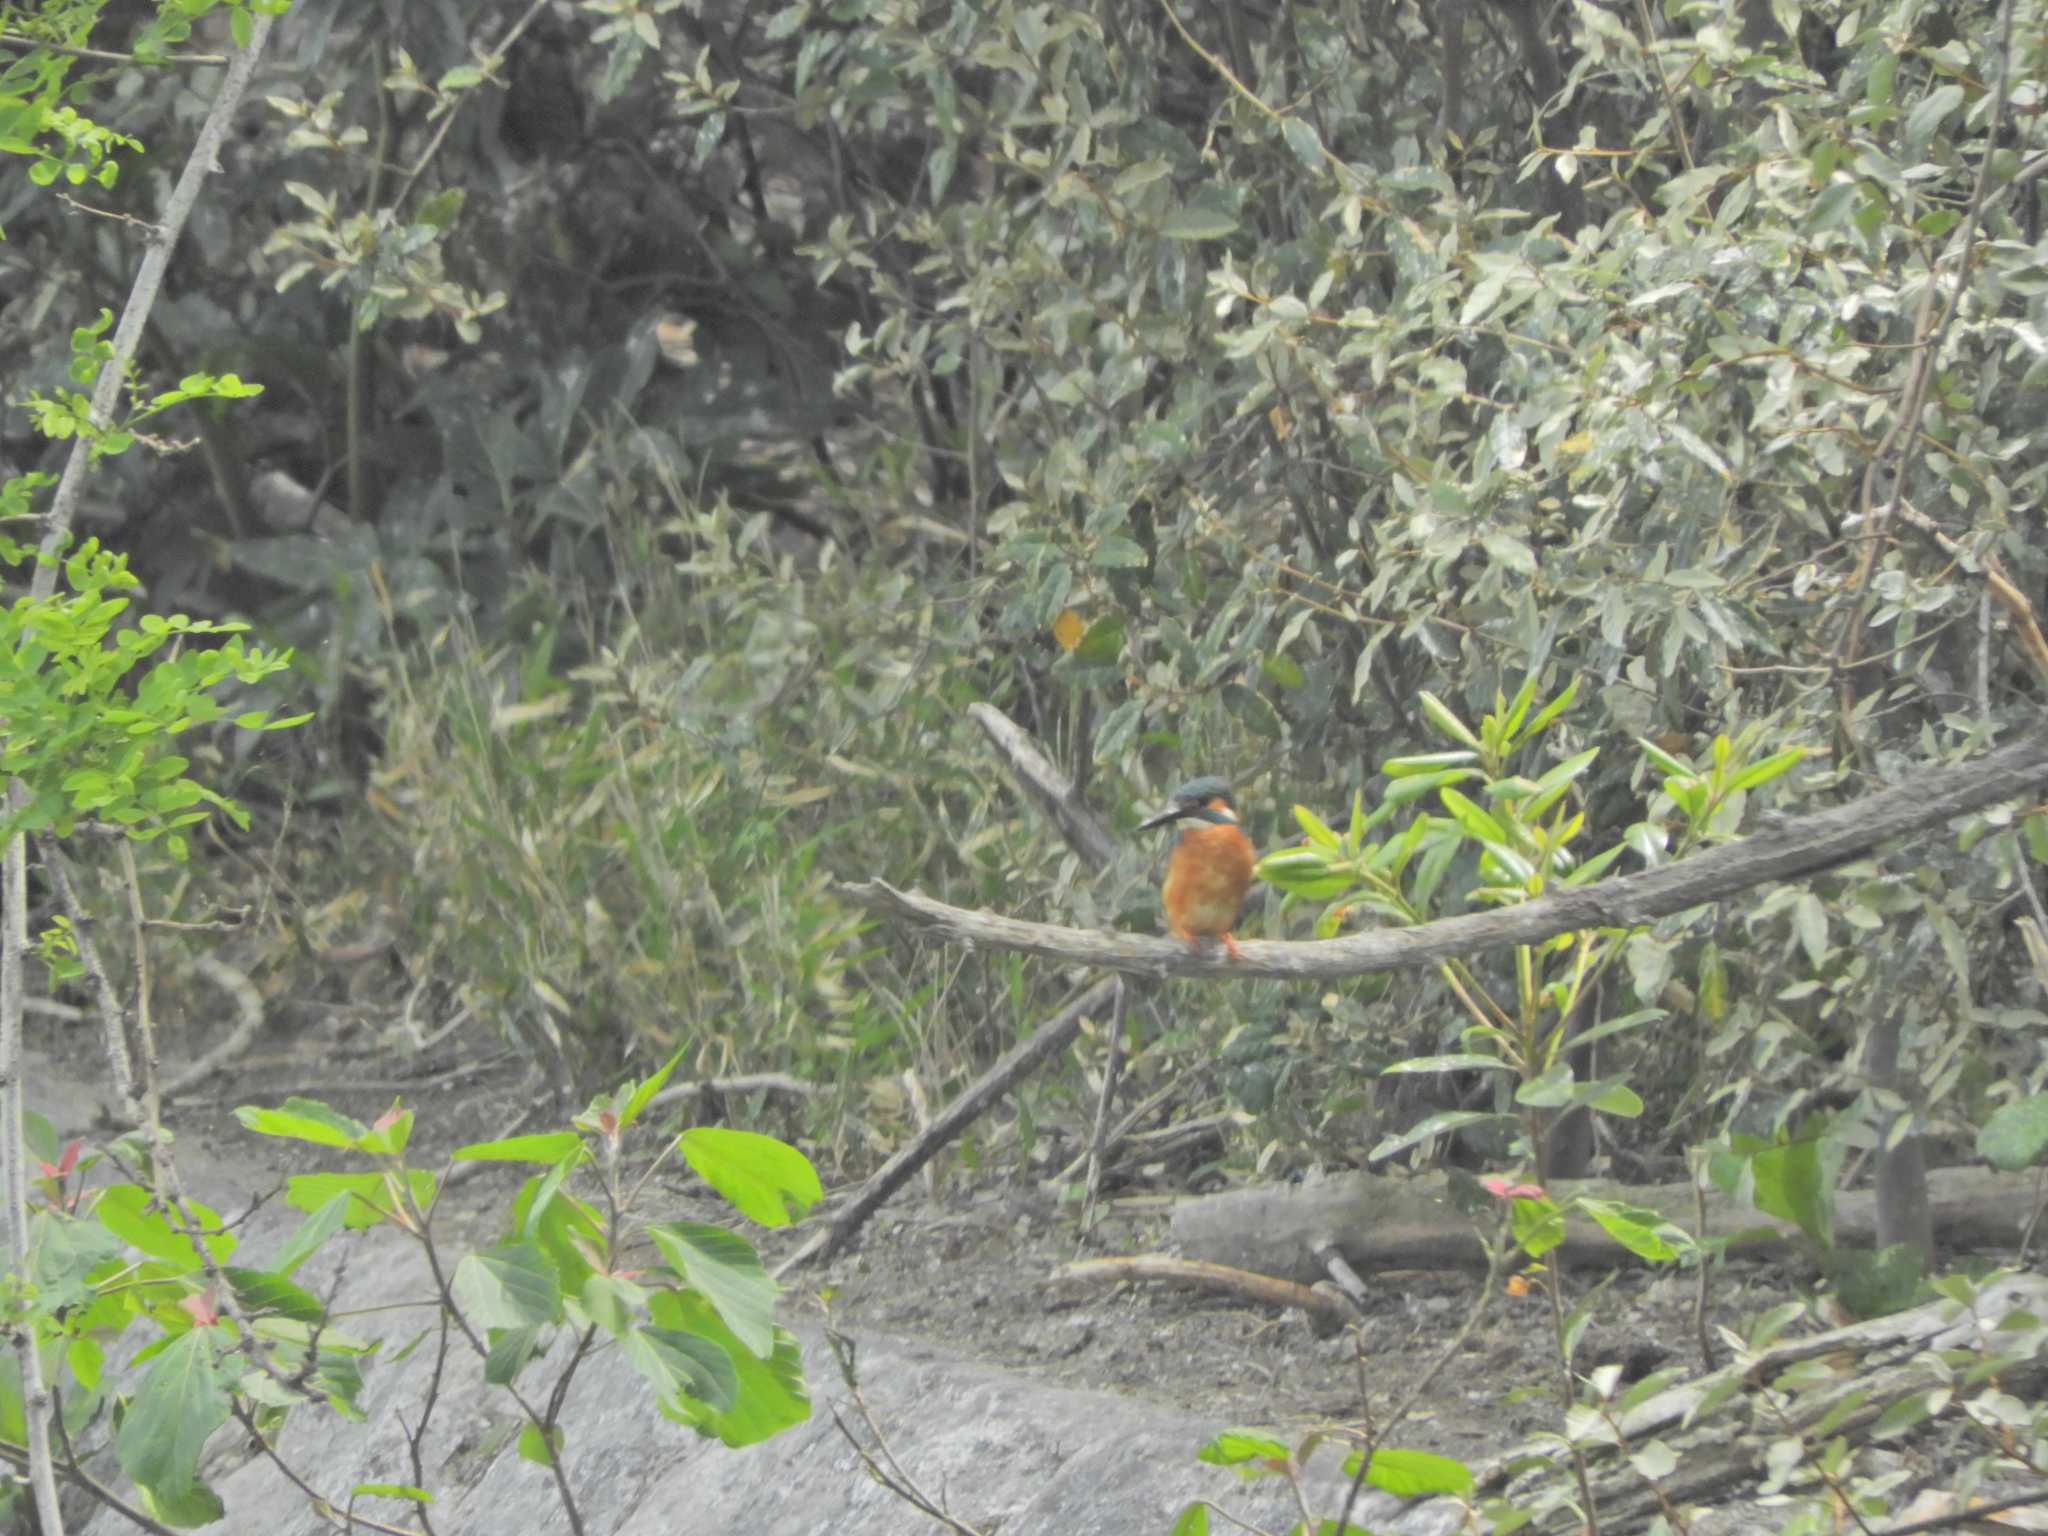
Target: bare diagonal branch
{"points": [[1806, 846]]}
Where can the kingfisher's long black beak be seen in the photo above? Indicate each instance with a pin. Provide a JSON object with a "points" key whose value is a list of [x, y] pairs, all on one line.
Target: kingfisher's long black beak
{"points": [[1171, 813]]}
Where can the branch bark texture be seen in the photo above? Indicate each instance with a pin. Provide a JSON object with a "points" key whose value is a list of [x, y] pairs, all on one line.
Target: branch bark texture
{"points": [[1808, 845]]}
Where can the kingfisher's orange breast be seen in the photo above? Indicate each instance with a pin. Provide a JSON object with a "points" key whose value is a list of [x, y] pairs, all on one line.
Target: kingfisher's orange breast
{"points": [[1207, 875]]}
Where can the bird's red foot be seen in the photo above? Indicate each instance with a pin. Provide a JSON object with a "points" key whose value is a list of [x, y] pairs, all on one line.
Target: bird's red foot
{"points": [[1230, 944]]}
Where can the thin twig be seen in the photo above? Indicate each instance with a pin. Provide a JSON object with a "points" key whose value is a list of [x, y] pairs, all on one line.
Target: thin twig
{"points": [[142, 296], [22, 44]]}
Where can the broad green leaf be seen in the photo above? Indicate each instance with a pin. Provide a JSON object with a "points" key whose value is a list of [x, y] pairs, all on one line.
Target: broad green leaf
{"points": [[2015, 1136], [2035, 829], [1413, 1474], [368, 1196], [124, 1210], [1538, 1225], [1284, 671], [511, 1351], [174, 1412], [766, 1180], [304, 1120], [510, 1286], [1644, 1233], [682, 1365], [771, 1395], [260, 1291], [538, 1448], [1103, 642], [725, 1267]]}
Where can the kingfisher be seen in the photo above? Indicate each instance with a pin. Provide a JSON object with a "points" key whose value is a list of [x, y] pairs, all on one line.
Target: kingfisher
{"points": [[1210, 867]]}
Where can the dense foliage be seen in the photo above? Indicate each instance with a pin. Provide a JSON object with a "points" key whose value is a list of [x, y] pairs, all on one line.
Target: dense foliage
{"points": [[675, 412]]}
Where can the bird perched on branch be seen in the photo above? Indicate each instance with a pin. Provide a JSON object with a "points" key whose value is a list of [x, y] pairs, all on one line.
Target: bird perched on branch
{"points": [[1210, 867]]}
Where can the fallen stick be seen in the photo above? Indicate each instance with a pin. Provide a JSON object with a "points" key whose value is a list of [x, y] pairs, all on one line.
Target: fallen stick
{"points": [[1048, 1039]]}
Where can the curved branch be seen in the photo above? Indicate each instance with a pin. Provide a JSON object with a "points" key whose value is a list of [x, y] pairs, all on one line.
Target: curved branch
{"points": [[1808, 845]]}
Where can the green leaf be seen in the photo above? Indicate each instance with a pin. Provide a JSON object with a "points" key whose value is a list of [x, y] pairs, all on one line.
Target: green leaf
{"points": [[1787, 1181], [1551, 711], [1439, 715], [1475, 821], [1427, 762], [771, 1395], [1877, 1284], [643, 1093], [1810, 924], [510, 1286], [1441, 1124], [1318, 830], [304, 1120], [2016, 1135], [2035, 829], [1303, 139], [511, 1351], [405, 1491], [325, 1220], [1538, 1225], [548, 1147], [1777, 764], [1413, 1474], [1250, 1450], [1252, 710], [269, 1291], [1118, 552], [1665, 762], [125, 1211], [172, 1415], [1613, 1098], [1284, 671], [1198, 224], [682, 1365], [365, 1196], [765, 1179], [1644, 1233], [1456, 1062], [1103, 642], [1928, 114], [725, 1267], [538, 1448]]}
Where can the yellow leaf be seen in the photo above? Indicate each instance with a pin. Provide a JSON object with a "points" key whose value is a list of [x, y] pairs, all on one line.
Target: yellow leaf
{"points": [[1068, 629]]}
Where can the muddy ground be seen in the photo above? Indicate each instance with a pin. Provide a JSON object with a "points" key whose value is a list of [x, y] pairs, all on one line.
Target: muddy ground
{"points": [[963, 1263]]}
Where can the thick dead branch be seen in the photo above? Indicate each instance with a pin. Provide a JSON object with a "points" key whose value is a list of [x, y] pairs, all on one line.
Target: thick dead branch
{"points": [[1400, 1223], [1050, 790], [1805, 846]]}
